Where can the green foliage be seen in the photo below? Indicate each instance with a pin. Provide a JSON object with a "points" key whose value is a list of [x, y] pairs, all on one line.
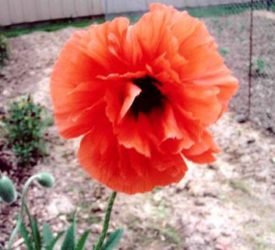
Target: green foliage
{"points": [[69, 241], [260, 66], [45, 240], [36, 237], [224, 51], [47, 235], [52, 26], [26, 236], [4, 49], [34, 240], [54, 241], [24, 127], [113, 240], [82, 240], [171, 235]]}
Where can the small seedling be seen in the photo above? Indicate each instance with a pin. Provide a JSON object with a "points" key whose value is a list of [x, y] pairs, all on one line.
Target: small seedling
{"points": [[4, 49], [259, 67], [224, 51]]}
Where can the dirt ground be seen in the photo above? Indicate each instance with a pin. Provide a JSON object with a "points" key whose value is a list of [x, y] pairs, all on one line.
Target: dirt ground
{"points": [[232, 34], [228, 205]]}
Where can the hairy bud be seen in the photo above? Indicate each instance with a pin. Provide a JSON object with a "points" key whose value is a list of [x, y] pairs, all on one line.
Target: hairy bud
{"points": [[7, 190], [45, 180]]}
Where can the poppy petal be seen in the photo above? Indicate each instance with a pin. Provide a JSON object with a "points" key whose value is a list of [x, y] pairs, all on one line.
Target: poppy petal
{"points": [[142, 97]]}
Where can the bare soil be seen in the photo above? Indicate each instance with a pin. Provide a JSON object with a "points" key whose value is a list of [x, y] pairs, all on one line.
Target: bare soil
{"points": [[228, 205], [232, 34]]}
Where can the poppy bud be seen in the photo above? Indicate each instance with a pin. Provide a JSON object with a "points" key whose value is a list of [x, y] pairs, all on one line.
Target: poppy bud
{"points": [[7, 190], [45, 179]]}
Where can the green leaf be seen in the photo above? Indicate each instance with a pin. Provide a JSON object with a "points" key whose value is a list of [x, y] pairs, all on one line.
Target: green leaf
{"points": [[113, 240], [26, 236], [54, 241], [47, 235], [35, 230], [82, 241], [35, 233], [69, 241], [14, 232]]}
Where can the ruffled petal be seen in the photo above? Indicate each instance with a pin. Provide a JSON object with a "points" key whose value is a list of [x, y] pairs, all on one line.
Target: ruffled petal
{"points": [[133, 133], [73, 67], [73, 126], [125, 170], [104, 44], [206, 157], [120, 94], [202, 151], [227, 84]]}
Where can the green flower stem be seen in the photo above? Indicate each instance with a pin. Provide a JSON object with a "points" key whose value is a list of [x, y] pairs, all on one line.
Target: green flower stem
{"points": [[20, 216], [25, 191], [106, 221]]}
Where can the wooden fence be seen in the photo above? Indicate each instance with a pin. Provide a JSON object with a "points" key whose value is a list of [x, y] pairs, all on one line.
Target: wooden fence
{"points": [[27, 11]]}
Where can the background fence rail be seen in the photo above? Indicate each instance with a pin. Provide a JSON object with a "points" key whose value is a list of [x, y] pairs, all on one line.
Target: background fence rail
{"points": [[26, 11]]}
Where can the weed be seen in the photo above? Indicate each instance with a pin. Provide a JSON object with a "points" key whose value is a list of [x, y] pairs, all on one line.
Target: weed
{"points": [[4, 49], [259, 67], [172, 235], [24, 130], [224, 51], [240, 185]]}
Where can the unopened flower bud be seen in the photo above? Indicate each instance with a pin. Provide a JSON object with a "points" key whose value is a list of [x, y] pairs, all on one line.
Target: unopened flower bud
{"points": [[45, 180], [7, 190]]}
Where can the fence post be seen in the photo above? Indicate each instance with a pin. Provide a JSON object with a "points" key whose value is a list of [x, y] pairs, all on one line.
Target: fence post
{"points": [[250, 57]]}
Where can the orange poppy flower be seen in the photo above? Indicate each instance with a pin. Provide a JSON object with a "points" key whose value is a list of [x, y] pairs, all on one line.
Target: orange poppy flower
{"points": [[142, 96]]}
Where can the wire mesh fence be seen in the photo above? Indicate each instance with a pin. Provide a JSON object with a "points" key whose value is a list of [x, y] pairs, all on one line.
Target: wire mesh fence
{"points": [[262, 73], [245, 32]]}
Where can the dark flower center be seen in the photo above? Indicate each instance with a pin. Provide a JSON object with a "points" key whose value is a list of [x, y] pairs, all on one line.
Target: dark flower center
{"points": [[150, 96]]}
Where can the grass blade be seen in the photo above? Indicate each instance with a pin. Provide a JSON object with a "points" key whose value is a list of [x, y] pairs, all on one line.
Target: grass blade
{"points": [[113, 240], [82, 241], [26, 236], [54, 241], [69, 241], [47, 235]]}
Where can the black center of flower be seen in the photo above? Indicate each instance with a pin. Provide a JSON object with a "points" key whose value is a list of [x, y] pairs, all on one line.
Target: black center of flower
{"points": [[150, 96]]}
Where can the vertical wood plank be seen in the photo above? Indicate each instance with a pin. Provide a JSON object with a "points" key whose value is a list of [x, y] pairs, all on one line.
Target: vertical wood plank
{"points": [[43, 10], [15, 11], [138, 5], [55, 9], [122, 6], [68, 8], [89, 8], [81, 8], [29, 10], [5, 18], [97, 7]]}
